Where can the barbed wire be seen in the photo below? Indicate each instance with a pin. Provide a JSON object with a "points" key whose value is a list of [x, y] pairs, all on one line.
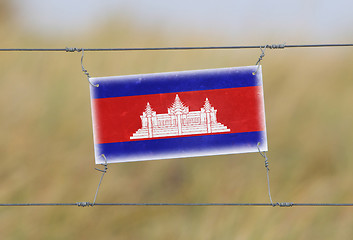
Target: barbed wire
{"points": [[88, 204], [268, 46], [262, 47]]}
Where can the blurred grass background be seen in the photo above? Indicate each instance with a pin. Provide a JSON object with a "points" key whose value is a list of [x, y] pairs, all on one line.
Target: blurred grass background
{"points": [[47, 145]]}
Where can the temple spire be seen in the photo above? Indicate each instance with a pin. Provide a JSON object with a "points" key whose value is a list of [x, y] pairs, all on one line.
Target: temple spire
{"points": [[178, 107], [178, 103], [148, 109], [207, 105]]}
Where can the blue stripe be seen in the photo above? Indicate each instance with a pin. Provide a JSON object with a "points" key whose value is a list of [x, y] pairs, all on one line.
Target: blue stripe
{"points": [[174, 82], [156, 147]]}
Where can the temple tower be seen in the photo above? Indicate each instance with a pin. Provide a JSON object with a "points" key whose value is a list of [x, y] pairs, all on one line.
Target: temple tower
{"points": [[179, 110], [208, 115], [148, 119]]}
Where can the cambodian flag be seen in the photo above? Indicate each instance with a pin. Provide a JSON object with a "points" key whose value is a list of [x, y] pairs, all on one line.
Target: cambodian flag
{"points": [[178, 114]]}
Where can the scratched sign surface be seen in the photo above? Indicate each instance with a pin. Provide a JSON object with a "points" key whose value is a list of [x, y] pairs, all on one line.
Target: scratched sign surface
{"points": [[178, 114]]}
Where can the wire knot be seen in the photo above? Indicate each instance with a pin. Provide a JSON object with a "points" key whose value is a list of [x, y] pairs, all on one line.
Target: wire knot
{"points": [[105, 164], [84, 204], [263, 154], [283, 204], [261, 55], [86, 72], [267, 164], [68, 49], [263, 49], [260, 59], [276, 46]]}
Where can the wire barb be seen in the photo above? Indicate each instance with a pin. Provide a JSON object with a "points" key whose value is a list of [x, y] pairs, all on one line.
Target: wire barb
{"points": [[84, 204], [273, 46], [68, 49], [263, 154], [276, 46], [103, 172], [88, 204], [285, 204]]}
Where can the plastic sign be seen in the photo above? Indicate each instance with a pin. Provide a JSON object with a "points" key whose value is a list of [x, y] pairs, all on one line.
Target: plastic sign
{"points": [[178, 114]]}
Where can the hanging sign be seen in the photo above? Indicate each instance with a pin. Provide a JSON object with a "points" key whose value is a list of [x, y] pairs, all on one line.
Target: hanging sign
{"points": [[178, 114]]}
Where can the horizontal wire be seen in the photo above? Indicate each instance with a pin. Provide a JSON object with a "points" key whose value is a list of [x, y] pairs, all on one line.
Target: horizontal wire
{"points": [[35, 204], [272, 46], [86, 204]]}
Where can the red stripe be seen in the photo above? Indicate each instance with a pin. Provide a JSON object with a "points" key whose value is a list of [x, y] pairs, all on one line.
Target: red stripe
{"points": [[240, 109]]}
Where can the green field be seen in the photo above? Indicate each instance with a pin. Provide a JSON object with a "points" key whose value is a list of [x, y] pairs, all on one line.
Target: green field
{"points": [[46, 145]]}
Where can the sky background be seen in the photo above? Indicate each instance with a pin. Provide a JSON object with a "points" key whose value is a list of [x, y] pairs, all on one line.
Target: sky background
{"points": [[233, 21]]}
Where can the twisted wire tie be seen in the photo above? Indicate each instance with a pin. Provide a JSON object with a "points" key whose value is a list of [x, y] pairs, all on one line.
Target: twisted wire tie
{"points": [[84, 70], [68, 49], [103, 172], [284, 204], [276, 46], [84, 204], [262, 55], [263, 154]]}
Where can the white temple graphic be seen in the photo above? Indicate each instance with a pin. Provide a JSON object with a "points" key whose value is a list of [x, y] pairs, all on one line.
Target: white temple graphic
{"points": [[179, 121]]}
